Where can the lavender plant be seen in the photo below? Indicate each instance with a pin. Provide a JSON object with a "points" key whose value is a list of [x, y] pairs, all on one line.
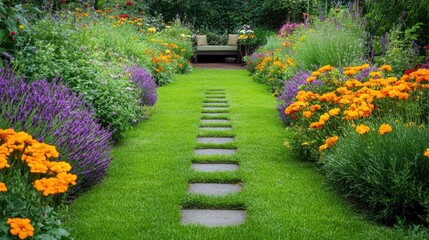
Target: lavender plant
{"points": [[54, 114], [145, 84], [289, 90]]}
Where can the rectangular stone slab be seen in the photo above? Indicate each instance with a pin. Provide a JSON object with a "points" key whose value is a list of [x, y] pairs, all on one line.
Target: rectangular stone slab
{"points": [[216, 128], [214, 189], [211, 151], [215, 108], [214, 120], [219, 97], [215, 101], [214, 167], [214, 140], [213, 218]]}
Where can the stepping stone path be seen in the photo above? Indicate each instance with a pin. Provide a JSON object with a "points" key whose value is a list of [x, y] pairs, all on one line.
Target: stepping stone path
{"points": [[215, 106]]}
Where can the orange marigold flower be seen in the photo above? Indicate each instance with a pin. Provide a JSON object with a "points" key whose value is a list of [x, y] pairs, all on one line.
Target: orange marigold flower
{"points": [[310, 79], [387, 68], [315, 107], [316, 73], [307, 114], [323, 147], [334, 111], [317, 125], [362, 129], [325, 117], [385, 128], [3, 187], [326, 68], [375, 74], [349, 72], [426, 152], [329, 143], [332, 140], [59, 167], [21, 227], [3, 161]]}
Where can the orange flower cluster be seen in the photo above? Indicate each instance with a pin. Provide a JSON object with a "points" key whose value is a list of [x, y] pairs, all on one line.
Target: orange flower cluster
{"points": [[21, 227], [362, 129], [426, 152], [355, 98], [36, 155], [385, 128], [329, 143]]}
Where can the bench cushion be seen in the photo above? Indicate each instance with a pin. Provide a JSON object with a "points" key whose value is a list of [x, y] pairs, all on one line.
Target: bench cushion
{"points": [[201, 40], [232, 40], [216, 48]]}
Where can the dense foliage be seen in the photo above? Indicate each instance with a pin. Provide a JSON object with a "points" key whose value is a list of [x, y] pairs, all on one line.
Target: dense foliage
{"points": [[52, 113]]}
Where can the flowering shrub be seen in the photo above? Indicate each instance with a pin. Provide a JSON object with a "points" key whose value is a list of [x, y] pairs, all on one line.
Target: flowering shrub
{"points": [[26, 168], [288, 28], [289, 90], [383, 169], [341, 100], [51, 112], [246, 36]]}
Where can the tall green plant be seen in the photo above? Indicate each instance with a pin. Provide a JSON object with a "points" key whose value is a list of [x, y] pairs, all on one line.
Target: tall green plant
{"points": [[338, 41]]}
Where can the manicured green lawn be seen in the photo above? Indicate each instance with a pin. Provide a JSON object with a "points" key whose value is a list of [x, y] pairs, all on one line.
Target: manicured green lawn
{"points": [[146, 186]]}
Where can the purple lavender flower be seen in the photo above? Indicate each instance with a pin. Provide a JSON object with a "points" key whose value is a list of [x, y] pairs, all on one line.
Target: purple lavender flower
{"points": [[53, 113], [145, 84], [289, 90]]}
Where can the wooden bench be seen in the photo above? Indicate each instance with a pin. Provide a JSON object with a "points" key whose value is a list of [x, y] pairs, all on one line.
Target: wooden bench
{"points": [[218, 50], [231, 49]]}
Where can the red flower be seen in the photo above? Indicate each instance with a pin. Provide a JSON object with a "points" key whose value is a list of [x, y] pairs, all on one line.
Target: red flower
{"points": [[129, 3], [124, 15], [63, 1], [409, 71], [426, 47], [12, 33], [85, 6]]}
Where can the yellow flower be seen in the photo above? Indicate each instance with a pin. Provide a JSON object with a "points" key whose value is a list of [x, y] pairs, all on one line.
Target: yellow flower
{"points": [[3, 187], [151, 30], [20, 227], [426, 152], [323, 147], [387, 68], [385, 128], [310, 79], [362, 129], [334, 111], [21, 26], [307, 114], [329, 143]]}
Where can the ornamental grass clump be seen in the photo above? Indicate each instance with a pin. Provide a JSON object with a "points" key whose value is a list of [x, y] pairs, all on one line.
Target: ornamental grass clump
{"points": [[52, 113], [32, 185], [383, 166], [339, 41]]}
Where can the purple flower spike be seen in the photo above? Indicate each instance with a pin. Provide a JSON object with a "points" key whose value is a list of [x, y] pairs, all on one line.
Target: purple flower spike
{"points": [[145, 84]]}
